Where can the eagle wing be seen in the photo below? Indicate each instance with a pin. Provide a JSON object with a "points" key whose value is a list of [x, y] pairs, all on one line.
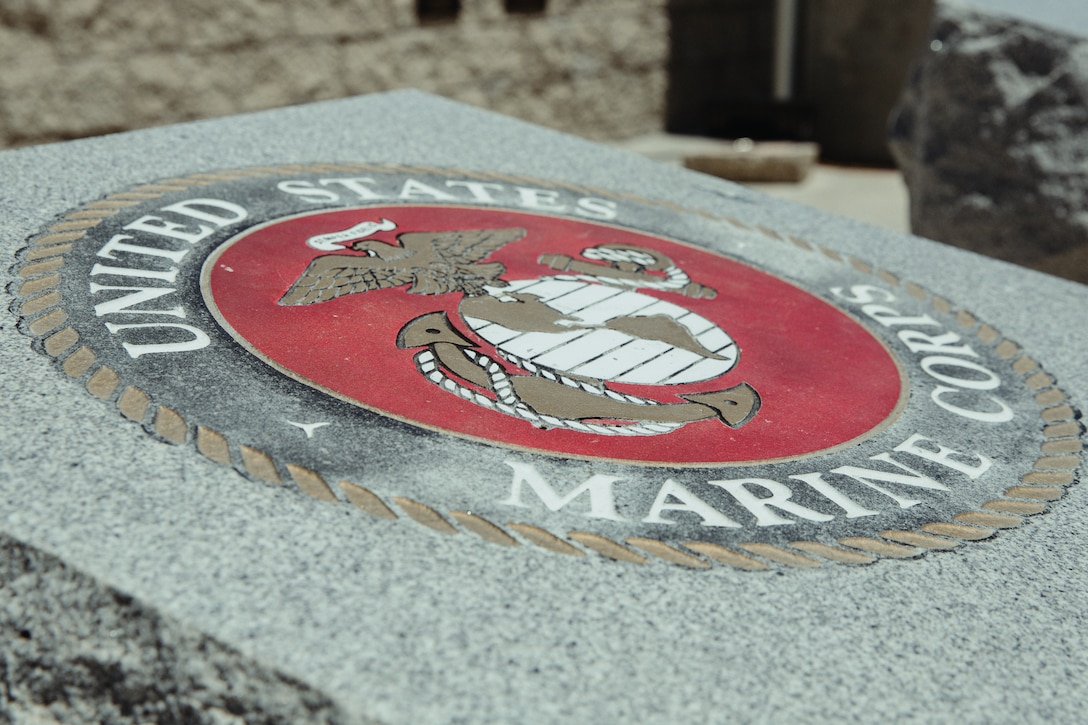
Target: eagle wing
{"points": [[333, 275], [461, 247]]}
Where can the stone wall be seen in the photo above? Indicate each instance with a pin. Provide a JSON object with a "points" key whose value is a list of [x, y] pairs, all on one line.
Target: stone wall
{"points": [[74, 68]]}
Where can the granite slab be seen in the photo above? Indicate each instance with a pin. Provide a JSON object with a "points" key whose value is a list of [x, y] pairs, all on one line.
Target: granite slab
{"points": [[190, 518]]}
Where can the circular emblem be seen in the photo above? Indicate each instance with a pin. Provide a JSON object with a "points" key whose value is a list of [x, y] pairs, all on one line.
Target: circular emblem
{"points": [[546, 365], [554, 335]]}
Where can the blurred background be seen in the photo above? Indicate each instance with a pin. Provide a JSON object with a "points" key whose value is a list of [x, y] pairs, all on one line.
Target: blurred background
{"points": [[808, 86], [821, 70]]}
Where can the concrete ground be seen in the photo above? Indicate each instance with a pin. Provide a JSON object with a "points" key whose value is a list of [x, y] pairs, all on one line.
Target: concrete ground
{"points": [[873, 195]]}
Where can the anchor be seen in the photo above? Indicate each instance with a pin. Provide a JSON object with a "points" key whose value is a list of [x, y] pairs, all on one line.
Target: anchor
{"points": [[567, 398]]}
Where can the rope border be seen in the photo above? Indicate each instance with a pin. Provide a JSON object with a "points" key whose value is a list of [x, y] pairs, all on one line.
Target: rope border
{"points": [[42, 315]]}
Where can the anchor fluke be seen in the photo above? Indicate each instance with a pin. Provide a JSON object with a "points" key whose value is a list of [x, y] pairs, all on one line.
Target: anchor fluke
{"points": [[735, 406]]}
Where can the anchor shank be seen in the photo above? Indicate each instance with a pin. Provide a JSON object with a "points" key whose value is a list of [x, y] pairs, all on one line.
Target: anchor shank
{"points": [[548, 397], [452, 357]]}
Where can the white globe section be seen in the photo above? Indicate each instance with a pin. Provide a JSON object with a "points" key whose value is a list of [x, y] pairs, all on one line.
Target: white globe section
{"points": [[593, 351]]}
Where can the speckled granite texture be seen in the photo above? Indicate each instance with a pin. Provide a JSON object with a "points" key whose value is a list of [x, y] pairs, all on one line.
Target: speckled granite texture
{"points": [[338, 617]]}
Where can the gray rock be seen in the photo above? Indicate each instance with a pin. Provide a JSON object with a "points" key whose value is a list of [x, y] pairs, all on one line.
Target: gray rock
{"points": [[78, 652], [992, 133]]}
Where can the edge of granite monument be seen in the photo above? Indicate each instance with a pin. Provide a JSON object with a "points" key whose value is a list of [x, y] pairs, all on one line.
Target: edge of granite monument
{"points": [[426, 573]]}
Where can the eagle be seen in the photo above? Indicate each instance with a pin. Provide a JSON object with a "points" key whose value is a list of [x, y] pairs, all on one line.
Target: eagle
{"points": [[433, 263]]}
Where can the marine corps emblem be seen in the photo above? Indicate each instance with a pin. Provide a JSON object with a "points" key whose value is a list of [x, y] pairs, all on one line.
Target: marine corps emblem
{"points": [[567, 335], [556, 335], [542, 363]]}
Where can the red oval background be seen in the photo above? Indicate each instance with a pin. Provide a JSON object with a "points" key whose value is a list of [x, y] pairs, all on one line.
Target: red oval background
{"points": [[824, 379]]}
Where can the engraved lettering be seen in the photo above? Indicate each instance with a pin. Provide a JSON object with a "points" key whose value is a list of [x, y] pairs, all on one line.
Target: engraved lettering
{"points": [[1003, 414], [198, 209], [989, 381], [308, 191], [602, 503], [165, 228], [197, 341], [137, 295], [355, 185], [594, 208], [760, 506], [118, 244], [944, 456], [167, 276], [861, 294], [480, 190], [674, 497]]}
